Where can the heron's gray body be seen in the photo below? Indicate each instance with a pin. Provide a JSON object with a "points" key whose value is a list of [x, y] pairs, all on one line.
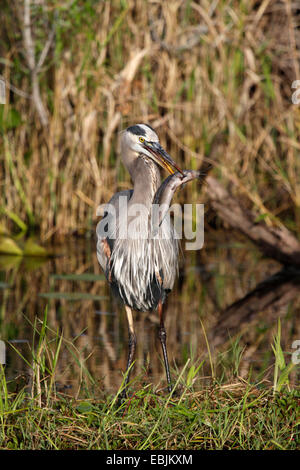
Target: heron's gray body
{"points": [[140, 268]]}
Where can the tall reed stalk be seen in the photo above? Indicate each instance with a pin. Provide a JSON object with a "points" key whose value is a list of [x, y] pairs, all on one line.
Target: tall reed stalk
{"points": [[193, 70]]}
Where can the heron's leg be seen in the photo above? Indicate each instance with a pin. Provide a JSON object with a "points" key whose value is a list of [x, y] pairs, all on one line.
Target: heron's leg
{"points": [[163, 336], [131, 347]]}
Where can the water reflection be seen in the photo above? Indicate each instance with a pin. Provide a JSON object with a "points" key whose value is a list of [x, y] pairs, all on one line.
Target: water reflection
{"points": [[228, 286]]}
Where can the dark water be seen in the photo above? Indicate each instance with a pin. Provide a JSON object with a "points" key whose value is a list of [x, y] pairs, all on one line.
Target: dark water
{"points": [[224, 291]]}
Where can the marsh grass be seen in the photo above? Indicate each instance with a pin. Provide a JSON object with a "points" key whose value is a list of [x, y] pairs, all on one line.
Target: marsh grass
{"points": [[194, 70], [218, 414]]}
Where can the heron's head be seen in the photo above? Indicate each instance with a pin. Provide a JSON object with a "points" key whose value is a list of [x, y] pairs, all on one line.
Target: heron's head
{"points": [[141, 141]]}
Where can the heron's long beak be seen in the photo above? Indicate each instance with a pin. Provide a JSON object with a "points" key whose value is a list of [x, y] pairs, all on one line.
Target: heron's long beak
{"points": [[162, 157]]}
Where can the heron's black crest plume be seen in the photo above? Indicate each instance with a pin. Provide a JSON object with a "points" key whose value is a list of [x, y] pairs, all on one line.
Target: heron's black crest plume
{"points": [[137, 130]]}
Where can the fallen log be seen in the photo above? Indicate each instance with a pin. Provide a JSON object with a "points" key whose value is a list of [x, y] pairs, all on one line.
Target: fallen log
{"points": [[275, 242]]}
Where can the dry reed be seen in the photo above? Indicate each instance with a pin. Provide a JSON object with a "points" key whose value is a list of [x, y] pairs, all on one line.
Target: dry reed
{"points": [[194, 70]]}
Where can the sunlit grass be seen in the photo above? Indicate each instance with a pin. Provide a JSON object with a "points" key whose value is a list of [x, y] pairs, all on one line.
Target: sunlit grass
{"points": [[224, 414]]}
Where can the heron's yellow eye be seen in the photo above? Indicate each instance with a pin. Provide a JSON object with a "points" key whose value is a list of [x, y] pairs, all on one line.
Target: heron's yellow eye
{"points": [[141, 139]]}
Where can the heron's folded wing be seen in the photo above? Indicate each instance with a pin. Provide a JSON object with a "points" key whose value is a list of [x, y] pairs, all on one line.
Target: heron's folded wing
{"points": [[106, 228]]}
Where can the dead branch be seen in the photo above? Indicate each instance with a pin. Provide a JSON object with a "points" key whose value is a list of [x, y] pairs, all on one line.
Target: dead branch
{"points": [[276, 242], [31, 61]]}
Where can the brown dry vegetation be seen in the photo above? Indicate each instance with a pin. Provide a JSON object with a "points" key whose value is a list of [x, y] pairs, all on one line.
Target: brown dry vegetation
{"points": [[214, 78], [194, 70]]}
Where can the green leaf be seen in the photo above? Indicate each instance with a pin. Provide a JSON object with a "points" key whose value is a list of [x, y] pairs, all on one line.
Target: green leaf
{"points": [[284, 376], [15, 218], [84, 407], [9, 247], [33, 249], [72, 296]]}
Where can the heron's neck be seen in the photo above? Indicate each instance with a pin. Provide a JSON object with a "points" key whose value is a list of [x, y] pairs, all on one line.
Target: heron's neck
{"points": [[146, 180]]}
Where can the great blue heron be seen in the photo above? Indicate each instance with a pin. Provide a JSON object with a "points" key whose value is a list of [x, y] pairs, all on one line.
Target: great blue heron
{"points": [[139, 258]]}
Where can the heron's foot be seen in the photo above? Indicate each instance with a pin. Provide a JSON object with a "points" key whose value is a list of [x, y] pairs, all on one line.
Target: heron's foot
{"points": [[177, 392], [121, 399]]}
